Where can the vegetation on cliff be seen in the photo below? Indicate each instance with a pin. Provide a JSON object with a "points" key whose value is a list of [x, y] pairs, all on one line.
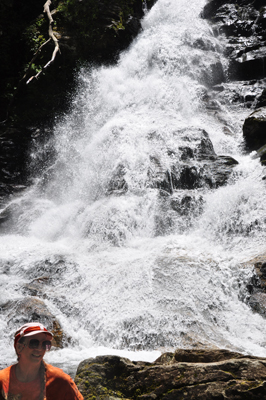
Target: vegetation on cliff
{"points": [[87, 31]]}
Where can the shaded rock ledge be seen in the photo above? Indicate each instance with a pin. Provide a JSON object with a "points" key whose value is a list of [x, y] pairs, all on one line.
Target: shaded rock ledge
{"points": [[185, 374], [254, 131], [243, 27], [257, 285]]}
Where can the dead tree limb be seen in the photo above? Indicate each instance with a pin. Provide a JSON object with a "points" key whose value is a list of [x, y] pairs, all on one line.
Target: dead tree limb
{"points": [[34, 58], [46, 9]]}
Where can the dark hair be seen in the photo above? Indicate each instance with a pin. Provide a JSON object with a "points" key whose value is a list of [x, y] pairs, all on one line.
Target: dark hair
{"points": [[21, 341]]}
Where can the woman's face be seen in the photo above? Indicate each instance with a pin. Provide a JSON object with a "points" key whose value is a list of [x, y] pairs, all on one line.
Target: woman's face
{"points": [[31, 356]]}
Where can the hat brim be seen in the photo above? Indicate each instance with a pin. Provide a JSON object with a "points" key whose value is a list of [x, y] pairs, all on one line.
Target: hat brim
{"points": [[36, 333]]}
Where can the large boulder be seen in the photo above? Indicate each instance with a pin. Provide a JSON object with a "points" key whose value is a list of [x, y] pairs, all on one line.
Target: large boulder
{"points": [[261, 154], [254, 129], [185, 374], [196, 166], [31, 309], [257, 284], [257, 302]]}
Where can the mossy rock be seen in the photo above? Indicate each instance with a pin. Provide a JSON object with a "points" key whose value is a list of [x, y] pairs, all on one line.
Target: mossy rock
{"points": [[186, 374]]}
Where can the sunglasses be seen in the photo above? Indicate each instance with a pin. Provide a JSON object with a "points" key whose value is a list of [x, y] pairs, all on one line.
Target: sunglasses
{"points": [[35, 343]]}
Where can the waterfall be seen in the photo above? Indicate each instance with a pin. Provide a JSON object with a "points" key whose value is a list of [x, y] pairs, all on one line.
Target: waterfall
{"points": [[128, 273]]}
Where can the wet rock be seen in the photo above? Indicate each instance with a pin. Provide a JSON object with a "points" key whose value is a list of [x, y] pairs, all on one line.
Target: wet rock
{"points": [[6, 215], [237, 20], [261, 153], [187, 204], [37, 286], [185, 374], [118, 184], [220, 170], [257, 302], [215, 75], [197, 175], [256, 286], [199, 142], [261, 99], [31, 309], [259, 279], [53, 268], [197, 166], [254, 129], [248, 63], [243, 24], [177, 212]]}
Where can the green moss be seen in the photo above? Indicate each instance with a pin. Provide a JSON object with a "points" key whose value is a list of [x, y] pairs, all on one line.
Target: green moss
{"points": [[231, 374], [120, 24], [36, 34]]}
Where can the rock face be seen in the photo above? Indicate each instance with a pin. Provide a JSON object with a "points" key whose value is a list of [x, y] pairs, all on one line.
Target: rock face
{"points": [[243, 23], [185, 374], [254, 129], [257, 285], [196, 166], [31, 309]]}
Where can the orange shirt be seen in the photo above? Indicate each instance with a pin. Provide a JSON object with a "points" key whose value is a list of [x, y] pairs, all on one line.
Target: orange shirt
{"points": [[59, 385], [24, 388]]}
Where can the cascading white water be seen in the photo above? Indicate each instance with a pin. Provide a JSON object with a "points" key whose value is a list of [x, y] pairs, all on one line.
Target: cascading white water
{"points": [[119, 282]]}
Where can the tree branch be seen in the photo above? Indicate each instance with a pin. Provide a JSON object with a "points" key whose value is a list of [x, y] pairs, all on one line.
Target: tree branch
{"points": [[46, 9], [34, 57]]}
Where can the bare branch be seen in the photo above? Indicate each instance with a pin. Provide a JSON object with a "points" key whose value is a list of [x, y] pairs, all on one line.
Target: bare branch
{"points": [[46, 9], [34, 57]]}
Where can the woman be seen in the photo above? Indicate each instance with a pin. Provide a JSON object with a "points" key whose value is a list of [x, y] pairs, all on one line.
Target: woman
{"points": [[31, 378]]}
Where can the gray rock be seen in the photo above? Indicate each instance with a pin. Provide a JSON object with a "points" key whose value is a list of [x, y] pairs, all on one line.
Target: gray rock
{"points": [[196, 166], [31, 309], [254, 129], [257, 302], [185, 374]]}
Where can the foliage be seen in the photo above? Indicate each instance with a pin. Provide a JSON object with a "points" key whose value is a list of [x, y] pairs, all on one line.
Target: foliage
{"points": [[94, 22], [91, 30]]}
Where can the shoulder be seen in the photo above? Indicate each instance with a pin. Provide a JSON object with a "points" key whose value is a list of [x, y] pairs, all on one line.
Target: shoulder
{"points": [[5, 373], [4, 381], [54, 372], [60, 385]]}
